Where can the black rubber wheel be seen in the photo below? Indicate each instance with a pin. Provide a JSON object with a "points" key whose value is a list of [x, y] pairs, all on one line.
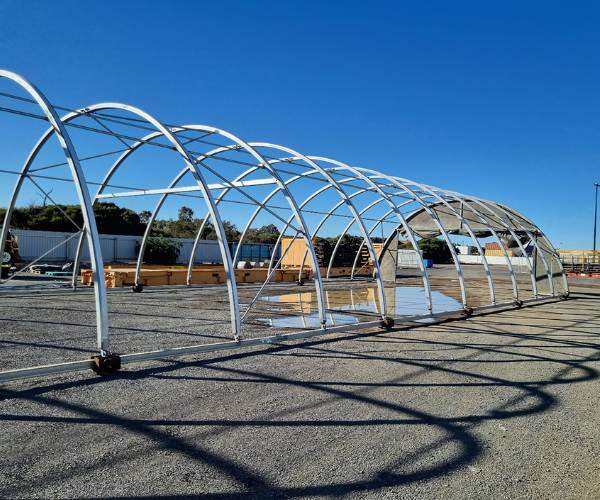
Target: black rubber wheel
{"points": [[106, 365], [388, 323], [137, 288]]}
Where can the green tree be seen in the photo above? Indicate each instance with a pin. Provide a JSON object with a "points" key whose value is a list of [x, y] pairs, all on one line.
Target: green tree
{"points": [[186, 214], [110, 218], [265, 234], [231, 231], [145, 216], [433, 248]]}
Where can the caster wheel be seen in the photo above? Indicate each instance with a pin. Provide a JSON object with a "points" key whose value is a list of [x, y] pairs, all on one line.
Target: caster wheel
{"points": [[106, 364], [388, 323]]}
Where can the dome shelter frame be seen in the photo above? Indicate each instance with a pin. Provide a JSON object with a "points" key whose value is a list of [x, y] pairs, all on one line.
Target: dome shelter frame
{"points": [[412, 209]]}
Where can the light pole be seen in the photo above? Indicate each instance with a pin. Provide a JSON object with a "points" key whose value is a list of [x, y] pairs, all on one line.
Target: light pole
{"points": [[596, 185]]}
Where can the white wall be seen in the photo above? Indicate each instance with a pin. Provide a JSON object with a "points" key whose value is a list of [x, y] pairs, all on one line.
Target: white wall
{"points": [[493, 260], [408, 258], [32, 244]]}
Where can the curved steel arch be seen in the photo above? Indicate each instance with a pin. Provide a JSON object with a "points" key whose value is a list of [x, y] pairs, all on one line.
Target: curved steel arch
{"points": [[437, 222], [103, 184], [396, 208], [190, 165], [349, 204], [532, 239], [263, 164], [486, 222], [108, 176], [89, 222], [288, 222], [467, 227], [251, 147], [552, 251], [345, 200], [339, 166], [115, 166], [515, 237], [511, 222]]}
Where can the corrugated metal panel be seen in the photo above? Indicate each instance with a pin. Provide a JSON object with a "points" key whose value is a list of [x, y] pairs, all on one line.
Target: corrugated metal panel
{"points": [[255, 252], [207, 251], [32, 244]]}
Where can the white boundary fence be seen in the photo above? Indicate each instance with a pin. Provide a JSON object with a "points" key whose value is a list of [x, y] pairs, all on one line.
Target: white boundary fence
{"points": [[409, 258], [497, 260], [117, 248]]}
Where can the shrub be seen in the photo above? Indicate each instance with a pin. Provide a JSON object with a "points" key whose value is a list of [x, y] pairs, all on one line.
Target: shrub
{"points": [[161, 250], [433, 248], [436, 250]]}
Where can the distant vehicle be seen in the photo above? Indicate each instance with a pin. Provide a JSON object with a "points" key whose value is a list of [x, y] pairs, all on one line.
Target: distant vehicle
{"points": [[10, 254]]}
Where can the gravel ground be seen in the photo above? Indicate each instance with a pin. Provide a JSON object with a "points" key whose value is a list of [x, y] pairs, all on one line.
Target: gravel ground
{"points": [[503, 405]]}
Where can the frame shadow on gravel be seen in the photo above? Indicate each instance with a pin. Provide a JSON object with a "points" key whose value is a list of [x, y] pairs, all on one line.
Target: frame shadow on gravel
{"points": [[533, 398]]}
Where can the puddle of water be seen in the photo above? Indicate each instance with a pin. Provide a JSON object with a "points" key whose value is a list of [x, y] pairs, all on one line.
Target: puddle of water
{"points": [[401, 301], [310, 320]]}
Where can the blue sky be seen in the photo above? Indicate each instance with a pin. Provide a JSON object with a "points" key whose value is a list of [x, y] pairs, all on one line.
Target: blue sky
{"points": [[499, 100]]}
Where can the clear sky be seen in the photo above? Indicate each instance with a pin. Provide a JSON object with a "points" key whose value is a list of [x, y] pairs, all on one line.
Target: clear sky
{"points": [[496, 99]]}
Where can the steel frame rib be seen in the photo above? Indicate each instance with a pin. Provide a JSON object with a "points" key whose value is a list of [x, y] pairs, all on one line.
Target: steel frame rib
{"points": [[469, 230], [515, 237], [351, 207], [58, 128], [532, 239], [388, 199], [438, 223], [373, 228], [552, 251], [192, 167], [486, 223]]}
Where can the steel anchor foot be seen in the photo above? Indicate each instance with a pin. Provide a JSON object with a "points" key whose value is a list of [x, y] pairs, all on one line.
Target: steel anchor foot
{"points": [[467, 311], [105, 364], [388, 323]]}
